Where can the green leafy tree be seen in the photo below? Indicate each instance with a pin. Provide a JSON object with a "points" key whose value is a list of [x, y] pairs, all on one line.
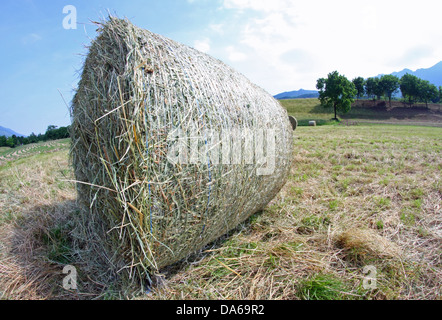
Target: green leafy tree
{"points": [[15, 140], [359, 83], [336, 91], [63, 132], [409, 85], [32, 138], [389, 84], [51, 132], [370, 87], [11, 142], [378, 89], [3, 141], [427, 91], [439, 95], [51, 127], [373, 88]]}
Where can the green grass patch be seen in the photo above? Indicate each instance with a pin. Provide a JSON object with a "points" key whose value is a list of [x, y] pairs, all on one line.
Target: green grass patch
{"points": [[305, 110], [408, 218], [234, 249], [322, 287], [58, 243]]}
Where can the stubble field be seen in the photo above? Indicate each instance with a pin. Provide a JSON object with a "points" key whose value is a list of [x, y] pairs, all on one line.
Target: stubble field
{"points": [[359, 218]]}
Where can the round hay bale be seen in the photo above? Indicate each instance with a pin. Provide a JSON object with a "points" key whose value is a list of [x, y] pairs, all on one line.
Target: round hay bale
{"points": [[171, 148], [293, 122], [312, 123]]}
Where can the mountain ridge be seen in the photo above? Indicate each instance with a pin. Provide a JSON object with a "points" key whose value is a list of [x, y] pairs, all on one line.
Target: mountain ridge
{"points": [[9, 132], [432, 74], [297, 94]]}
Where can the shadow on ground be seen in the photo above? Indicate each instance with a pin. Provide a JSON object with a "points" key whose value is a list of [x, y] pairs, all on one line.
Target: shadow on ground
{"points": [[37, 247], [35, 250]]}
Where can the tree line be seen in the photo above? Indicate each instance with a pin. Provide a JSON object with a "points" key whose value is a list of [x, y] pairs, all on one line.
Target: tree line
{"points": [[52, 133], [338, 92], [413, 88]]}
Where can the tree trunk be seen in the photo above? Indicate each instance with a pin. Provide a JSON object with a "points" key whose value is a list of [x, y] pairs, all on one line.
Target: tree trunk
{"points": [[336, 118]]}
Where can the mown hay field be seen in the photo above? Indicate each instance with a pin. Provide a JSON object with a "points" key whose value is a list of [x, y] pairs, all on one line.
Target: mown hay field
{"points": [[359, 218], [366, 111]]}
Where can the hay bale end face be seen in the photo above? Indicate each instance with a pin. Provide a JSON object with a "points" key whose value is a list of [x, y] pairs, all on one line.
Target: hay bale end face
{"points": [[171, 147], [293, 122]]}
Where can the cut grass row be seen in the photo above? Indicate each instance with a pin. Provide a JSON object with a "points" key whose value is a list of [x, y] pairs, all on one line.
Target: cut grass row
{"points": [[34, 147], [20, 153]]}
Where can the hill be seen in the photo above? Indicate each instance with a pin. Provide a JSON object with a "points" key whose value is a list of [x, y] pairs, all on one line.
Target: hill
{"points": [[8, 132], [432, 74], [366, 111], [299, 94]]}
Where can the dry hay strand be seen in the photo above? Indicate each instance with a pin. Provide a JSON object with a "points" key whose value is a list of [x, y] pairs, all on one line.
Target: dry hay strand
{"points": [[367, 241], [142, 96]]}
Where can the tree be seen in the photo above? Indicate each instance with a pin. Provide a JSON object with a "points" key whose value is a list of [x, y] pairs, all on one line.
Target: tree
{"points": [[51, 127], [51, 132], [336, 91], [378, 90], [370, 87], [32, 138], [389, 85], [409, 85], [427, 91], [11, 142], [3, 140], [439, 94], [63, 132], [359, 83], [41, 137], [373, 88]]}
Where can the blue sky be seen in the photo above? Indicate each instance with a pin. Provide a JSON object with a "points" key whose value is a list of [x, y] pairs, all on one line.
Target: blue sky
{"points": [[281, 45]]}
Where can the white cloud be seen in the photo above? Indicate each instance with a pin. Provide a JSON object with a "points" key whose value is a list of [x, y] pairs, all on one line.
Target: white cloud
{"points": [[202, 45], [234, 55], [217, 28], [295, 42], [259, 5]]}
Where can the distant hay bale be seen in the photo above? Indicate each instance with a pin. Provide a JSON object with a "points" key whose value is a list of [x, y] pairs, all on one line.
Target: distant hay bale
{"points": [[151, 119], [312, 123], [293, 122], [368, 242]]}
